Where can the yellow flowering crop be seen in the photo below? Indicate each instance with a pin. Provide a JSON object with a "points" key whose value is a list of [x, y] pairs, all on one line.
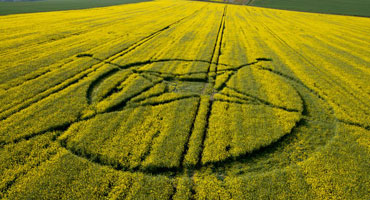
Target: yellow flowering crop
{"points": [[181, 99]]}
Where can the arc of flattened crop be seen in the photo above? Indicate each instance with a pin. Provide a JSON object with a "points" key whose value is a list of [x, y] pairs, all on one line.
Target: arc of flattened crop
{"points": [[285, 140], [106, 75], [229, 160], [287, 137]]}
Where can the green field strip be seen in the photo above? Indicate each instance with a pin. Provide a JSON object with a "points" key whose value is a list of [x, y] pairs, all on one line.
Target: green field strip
{"points": [[24, 7], [96, 22], [336, 7]]}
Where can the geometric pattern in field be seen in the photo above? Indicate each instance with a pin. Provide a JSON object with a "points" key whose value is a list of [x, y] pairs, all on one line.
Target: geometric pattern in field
{"points": [[238, 116], [182, 99], [235, 125], [175, 91]]}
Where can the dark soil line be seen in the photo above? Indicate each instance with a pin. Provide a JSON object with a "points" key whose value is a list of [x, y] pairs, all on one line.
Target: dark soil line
{"points": [[158, 73], [234, 70], [95, 158], [139, 42], [204, 134], [294, 80], [186, 147], [135, 64], [173, 77], [146, 77], [174, 191], [62, 127], [286, 139], [242, 102], [367, 127], [219, 35], [122, 104], [259, 100], [263, 149], [161, 102], [304, 111], [223, 22], [224, 84], [94, 84], [38, 75], [132, 102], [268, 148], [150, 148], [28, 102], [258, 60], [216, 41]]}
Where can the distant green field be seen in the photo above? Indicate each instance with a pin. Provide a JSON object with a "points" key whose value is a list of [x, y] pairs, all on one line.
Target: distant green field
{"points": [[344, 7], [7, 8]]}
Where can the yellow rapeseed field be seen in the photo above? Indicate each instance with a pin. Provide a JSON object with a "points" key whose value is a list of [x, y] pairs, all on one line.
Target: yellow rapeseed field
{"points": [[184, 100]]}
